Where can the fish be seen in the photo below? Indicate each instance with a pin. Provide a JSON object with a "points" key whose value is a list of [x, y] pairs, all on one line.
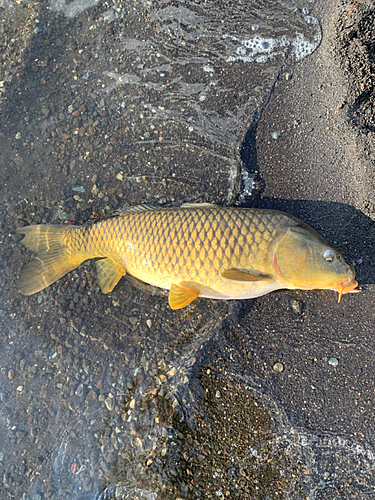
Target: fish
{"points": [[195, 250]]}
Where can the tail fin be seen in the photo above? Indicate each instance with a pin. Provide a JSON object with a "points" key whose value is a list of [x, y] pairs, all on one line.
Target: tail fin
{"points": [[53, 258]]}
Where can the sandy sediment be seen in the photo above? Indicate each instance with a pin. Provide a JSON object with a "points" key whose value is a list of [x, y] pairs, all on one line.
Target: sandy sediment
{"points": [[322, 153]]}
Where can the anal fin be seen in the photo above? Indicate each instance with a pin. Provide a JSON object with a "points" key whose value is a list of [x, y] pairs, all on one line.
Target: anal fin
{"points": [[109, 274], [181, 296]]}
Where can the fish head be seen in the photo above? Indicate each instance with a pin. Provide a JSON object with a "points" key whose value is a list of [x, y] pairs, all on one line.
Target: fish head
{"points": [[304, 259]]}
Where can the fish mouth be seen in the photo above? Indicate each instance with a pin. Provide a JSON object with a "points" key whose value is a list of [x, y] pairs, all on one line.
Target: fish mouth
{"points": [[346, 286]]}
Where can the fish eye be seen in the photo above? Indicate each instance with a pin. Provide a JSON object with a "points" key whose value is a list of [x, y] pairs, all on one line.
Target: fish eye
{"points": [[329, 255]]}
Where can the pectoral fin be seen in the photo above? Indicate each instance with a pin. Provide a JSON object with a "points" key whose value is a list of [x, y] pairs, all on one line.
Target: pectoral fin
{"points": [[109, 274], [180, 296], [240, 275]]}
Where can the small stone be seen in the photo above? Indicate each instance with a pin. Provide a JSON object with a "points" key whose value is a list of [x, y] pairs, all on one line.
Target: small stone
{"points": [[133, 320], [148, 323], [275, 135], [79, 390], [297, 306], [11, 374], [63, 216], [333, 362], [109, 403], [3, 397], [171, 372], [119, 177], [217, 394], [91, 398], [20, 388], [18, 136], [278, 367]]}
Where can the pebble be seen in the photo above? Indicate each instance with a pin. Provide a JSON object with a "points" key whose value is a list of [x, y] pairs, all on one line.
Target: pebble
{"points": [[333, 362], [91, 398], [3, 397], [79, 391], [63, 216], [278, 367], [275, 135], [297, 306], [109, 403]]}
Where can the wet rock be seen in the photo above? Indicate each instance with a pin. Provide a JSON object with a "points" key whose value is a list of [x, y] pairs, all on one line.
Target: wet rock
{"points": [[278, 367], [333, 362], [80, 390], [109, 403], [297, 306], [91, 398], [4, 397]]}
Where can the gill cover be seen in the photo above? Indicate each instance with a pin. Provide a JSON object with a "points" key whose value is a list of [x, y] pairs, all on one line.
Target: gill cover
{"points": [[304, 259]]}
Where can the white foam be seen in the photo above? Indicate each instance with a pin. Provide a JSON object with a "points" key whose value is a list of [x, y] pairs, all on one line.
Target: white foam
{"points": [[259, 49], [73, 8]]}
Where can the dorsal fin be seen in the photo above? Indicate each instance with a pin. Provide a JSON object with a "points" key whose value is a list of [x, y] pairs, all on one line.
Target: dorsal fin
{"points": [[198, 205], [136, 208]]}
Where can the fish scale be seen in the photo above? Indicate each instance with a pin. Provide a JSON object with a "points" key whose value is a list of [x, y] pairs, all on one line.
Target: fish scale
{"points": [[164, 246], [194, 250]]}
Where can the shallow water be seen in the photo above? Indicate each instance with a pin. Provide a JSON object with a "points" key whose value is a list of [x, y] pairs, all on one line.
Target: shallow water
{"points": [[117, 396]]}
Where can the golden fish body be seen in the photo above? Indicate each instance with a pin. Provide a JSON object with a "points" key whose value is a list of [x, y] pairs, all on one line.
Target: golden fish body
{"points": [[194, 250]]}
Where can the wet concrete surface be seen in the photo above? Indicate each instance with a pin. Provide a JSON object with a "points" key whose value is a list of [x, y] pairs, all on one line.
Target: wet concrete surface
{"points": [[119, 397]]}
